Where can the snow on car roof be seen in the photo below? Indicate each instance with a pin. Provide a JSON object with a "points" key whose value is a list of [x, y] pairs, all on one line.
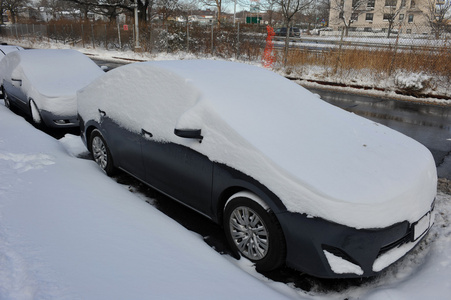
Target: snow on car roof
{"points": [[5, 49], [319, 159], [53, 72]]}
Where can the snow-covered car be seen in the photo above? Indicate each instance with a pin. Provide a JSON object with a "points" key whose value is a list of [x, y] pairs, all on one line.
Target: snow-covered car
{"points": [[291, 178], [5, 49], [43, 83]]}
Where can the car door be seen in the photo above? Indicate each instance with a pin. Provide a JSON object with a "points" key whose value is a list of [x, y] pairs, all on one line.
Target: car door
{"points": [[125, 146], [179, 172], [13, 85]]}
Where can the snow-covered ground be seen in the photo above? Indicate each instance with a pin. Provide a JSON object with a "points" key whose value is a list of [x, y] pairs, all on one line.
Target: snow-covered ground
{"points": [[67, 231]]}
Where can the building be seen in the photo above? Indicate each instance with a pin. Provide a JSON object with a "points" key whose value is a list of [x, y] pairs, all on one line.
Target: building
{"points": [[381, 16]]}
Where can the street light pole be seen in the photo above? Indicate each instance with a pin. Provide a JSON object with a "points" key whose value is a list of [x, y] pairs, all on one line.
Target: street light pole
{"points": [[137, 46]]}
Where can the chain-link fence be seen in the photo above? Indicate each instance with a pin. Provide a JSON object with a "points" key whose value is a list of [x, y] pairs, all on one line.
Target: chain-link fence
{"points": [[372, 52]]}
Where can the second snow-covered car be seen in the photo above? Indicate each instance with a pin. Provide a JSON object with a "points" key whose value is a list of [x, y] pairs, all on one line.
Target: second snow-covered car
{"points": [[43, 83], [291, 178], [5, 49]]}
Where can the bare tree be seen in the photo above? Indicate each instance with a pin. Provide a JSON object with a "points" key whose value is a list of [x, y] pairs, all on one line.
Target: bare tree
{"points": [[323, 10], [15, 7], [217, 4], [57, 9], [290, 9], [391, 11], [113, 8], [1, 11], [346, 14], [438, 14]]}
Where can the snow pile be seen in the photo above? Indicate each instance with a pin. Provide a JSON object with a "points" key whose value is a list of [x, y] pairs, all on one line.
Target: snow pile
{"points": [[319, 159], [69, 232], [415, 82]]}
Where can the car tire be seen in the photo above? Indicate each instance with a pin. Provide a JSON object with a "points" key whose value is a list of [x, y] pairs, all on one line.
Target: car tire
{"points": [[101, 153], [254, 233], [35, 114]]}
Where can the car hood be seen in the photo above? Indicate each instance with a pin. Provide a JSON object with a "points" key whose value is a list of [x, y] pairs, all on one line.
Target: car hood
{"points": [[318, 159]]}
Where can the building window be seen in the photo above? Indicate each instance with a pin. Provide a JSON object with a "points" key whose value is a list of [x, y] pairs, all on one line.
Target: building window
{"points": [[388, 17], [412, 4], [401, 17], [369, 17], [340, 15], [410, 19], [409, 31], [354, 16], [403, 3], [390, 2], [370, 3]]}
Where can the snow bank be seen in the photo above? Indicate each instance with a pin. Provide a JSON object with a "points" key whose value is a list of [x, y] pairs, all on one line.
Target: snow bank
{"points": [[317, 158], [69, 232]]}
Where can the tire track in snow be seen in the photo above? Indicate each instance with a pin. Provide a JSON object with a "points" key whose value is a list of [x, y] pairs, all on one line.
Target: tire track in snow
{"points": [[26, 162]]}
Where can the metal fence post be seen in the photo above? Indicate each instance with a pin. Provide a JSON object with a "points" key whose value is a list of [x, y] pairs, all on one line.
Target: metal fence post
{"points": [[238, 42], [212, 36], [92, 36], [82, 35], [119, 35], [187, 36]]}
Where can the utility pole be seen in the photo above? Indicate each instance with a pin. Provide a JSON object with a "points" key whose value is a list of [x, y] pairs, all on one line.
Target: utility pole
{"points": [[137, 46]]}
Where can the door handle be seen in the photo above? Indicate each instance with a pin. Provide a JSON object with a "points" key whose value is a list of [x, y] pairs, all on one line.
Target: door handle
{"points": [[146, 133]]}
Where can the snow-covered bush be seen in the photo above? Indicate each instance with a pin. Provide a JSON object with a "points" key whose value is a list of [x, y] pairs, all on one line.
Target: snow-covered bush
{"points": [[412, 83]]}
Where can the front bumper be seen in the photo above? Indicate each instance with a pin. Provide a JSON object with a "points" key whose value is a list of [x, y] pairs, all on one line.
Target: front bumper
{"points": [[59, 121], [329, 250]]}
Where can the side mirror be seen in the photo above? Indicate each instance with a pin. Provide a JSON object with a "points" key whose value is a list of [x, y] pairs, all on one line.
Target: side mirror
{"points": [[189, 134], [16, 82]]}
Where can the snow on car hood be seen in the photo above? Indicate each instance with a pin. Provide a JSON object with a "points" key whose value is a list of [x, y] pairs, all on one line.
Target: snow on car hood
{"points": [[319, 159]]}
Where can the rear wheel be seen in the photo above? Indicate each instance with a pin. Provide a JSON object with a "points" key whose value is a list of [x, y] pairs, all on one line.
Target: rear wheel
{"points": [[101, 153], [254, 233]]}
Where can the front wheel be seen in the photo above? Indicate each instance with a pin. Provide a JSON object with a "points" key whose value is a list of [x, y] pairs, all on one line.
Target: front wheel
{"points": [[101, 153], [254, 233]]}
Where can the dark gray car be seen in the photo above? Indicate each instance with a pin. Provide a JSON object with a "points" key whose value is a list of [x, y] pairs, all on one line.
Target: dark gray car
{"points": [[292, 179]]}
